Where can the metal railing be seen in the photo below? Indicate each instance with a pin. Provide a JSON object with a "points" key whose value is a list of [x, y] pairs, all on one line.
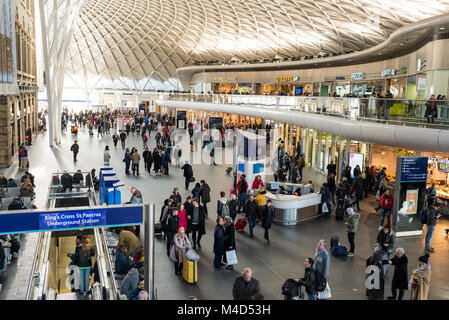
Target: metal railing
{"points": [[406, 112]]}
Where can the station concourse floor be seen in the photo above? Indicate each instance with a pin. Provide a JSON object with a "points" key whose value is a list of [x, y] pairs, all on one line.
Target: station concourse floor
{"points": [[271, 265]]}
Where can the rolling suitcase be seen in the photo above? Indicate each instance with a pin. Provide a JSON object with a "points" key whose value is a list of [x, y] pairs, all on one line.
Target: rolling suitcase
{"points": [[339, 213], [158, 230], [240, 224], [91, 132], [190, 271]]}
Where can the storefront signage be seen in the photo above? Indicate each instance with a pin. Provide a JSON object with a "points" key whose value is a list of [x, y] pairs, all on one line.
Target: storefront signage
{"points": [[420, 65], [295, 78], [389, 72], [403, 153], [284, 79], [443, 165], [224, 79], [414, 169], [52, 220], [358, 76], [403, 70], [339, 78]]}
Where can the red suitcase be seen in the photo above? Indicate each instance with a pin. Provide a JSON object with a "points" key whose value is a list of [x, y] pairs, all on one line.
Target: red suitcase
{"points": [[240, 224]]}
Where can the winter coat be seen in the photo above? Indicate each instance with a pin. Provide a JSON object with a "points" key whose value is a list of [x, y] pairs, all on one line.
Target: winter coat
{"points": [[122, 263], [242, 186], [106, 157], [240, 292], [219, 240], [400, 278], [188, 172], [130, 240], [251, 208], [257, 183], [431, 111], [325, 195], [352, 223], [387, 202], [261, 198], [201, 222], [220, 204], [205, 194], [179, 247], [182, 214], [322, 262], [230, 240], [172, 225], [130, 282], [176, 198], [383, 238], [232, 205], [128, 158], [267, 216], [309, 281], [83, 260], [358, 187], [424, 276], [196, 193], [331, 183], [136, 158]]}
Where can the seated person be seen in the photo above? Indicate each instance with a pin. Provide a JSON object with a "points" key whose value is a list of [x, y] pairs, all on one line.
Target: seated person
{"points": [[122, 261], [10, 241], [129, 239], [3, 181], [298, 192], [134, 294], [11, 183], [138, 257], [66, 181], [78, 177], [28, 175], [312, 189], [16, 204], [2, 257], [26, 189], [132, 279]]}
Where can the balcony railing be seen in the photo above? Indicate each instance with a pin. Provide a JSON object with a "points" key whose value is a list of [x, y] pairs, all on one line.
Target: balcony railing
{"points": [[404, 112]]}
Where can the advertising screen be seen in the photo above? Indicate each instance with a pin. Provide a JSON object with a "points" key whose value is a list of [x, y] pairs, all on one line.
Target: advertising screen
{"points": [[414, 169], [354, 160]]}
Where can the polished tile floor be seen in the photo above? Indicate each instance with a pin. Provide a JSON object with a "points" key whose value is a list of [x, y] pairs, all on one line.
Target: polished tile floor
{"points": [[283, 259]]}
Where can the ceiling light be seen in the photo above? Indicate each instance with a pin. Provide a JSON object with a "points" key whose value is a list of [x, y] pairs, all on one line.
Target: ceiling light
{"points": [[380, 53], [442, 28], [401, 44]]}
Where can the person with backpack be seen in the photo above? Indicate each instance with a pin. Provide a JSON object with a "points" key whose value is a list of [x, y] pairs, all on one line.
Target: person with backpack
{"points": [[172, 226], [75, 149], [267, 219], [222, 206], [322, 264], [83, 260], [242, 188], [309, 279], [23, 157], [352, 223], [188, 174], [165, 212]]}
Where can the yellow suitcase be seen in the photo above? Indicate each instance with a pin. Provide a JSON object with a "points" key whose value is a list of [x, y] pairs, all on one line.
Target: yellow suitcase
{"points": [[190, 271]]}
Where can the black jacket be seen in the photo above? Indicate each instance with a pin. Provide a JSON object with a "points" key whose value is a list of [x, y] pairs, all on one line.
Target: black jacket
{"points": [[75, 148], [230, 240], [219, 240], [176, 199], [83, 260], [188, 172], [123, 136], [309, 281], [400, 276], [240, 292], [267, 218], [325, 195], [205, 194], [66, 180], [232, 205], [251, 208], [383, 238], [202, 219], [2, 257], [172, 225], [331, 183]]}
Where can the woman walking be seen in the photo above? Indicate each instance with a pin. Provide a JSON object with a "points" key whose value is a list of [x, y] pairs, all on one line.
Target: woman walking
{"points": [[83, 260], [180, 244]]}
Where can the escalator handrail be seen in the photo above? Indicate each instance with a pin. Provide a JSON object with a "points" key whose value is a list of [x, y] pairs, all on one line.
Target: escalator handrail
{"points": [[108, 257], [33, 266]]}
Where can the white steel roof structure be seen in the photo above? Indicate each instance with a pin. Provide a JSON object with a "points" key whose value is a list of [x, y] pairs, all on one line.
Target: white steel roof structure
{"points": [[139, 44]]}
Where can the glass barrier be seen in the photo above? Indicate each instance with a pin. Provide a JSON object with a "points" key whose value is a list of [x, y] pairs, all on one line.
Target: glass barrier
{"points": [[389, 111]]}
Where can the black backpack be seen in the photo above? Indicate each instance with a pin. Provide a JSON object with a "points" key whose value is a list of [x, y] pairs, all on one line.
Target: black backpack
{"points": [[334, 241], [423, 216], [290, 288], [320, 281]]}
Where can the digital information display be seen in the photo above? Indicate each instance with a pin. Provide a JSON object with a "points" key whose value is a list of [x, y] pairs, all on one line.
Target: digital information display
{"points": [[52, 220], [414, 169]]}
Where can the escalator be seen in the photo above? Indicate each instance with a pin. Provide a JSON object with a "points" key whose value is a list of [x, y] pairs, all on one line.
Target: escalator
{"points": [[53, 276]]}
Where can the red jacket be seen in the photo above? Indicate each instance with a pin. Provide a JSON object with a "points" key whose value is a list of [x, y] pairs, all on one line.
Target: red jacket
{"points": [[239, 184], [387, 202], [257, 184]]}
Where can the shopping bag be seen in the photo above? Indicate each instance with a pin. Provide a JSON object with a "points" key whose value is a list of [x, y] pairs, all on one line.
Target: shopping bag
{"points": [[191, 255], [231, 257], [325, 209], [326, 293]]}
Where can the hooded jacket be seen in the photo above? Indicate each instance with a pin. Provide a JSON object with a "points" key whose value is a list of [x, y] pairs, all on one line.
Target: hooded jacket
{"points": [[220, 203], [352, 221], [261, 198]]}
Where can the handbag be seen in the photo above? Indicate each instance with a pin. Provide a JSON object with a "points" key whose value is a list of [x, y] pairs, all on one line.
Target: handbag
{"points": [[231, 257], [325, 294], [191, 255], [324, 208]]}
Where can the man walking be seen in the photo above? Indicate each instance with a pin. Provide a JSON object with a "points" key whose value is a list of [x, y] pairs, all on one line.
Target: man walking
{"points": [[23, 157], [75, 149], [242, 188], [196, 220], [352, 223], [188, 174], [432, 216], [219, 243], [122, 139], [136, 161]]}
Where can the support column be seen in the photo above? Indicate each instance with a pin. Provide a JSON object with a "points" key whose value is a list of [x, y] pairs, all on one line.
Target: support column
{"points": [[326, 153], [16, 137], [314, 150], [22, 116], [5, 132]]}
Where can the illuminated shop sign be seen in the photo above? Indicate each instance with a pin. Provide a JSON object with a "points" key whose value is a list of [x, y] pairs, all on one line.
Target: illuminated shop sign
{"points": [[358, 76], [284, 79], [224, 79], [389, 72], [403, 70], [403, 153], [443, 165]]}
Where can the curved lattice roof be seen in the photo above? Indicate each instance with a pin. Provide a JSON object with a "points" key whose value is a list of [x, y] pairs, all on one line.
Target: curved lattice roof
{"points": [[139, 44]]}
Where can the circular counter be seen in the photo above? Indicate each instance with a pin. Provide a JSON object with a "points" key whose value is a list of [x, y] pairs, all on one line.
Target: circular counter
{"points": [[289, 209]]}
